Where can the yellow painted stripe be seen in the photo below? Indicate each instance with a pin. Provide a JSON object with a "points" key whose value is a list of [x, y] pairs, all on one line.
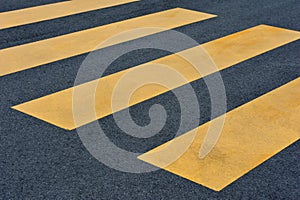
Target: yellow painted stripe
{"points": [[52, 11], [31, 55], [252, 134], [227, 51]]}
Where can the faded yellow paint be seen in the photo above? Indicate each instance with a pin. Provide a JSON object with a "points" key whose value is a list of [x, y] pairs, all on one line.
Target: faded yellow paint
{"points": [[18, 58], [51, 11], [252, 134], [57, 108]]}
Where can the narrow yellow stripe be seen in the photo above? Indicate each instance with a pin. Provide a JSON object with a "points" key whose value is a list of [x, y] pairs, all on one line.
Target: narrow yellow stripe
{"points": [[252, 134], [31, 55], [52, 11], [227, 51]]}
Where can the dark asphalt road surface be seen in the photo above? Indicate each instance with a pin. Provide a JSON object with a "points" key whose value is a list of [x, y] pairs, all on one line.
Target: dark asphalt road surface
{"points": [[41, 161]]}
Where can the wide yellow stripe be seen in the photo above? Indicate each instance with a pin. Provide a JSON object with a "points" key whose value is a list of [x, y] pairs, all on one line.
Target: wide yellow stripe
{"points": [[252, 134], [31, 55], [227, 51], [51, 11]]}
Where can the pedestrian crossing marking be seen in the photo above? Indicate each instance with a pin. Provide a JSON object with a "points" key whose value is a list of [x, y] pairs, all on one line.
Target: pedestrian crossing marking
{"points": [[51, 11], [57, 109], [18, 58], [252, 134]]}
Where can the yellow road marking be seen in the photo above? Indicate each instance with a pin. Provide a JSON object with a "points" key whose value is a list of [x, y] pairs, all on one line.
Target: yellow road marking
{"points": [[51, 11], [56, 108], [31, 55], [252, 134]]}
